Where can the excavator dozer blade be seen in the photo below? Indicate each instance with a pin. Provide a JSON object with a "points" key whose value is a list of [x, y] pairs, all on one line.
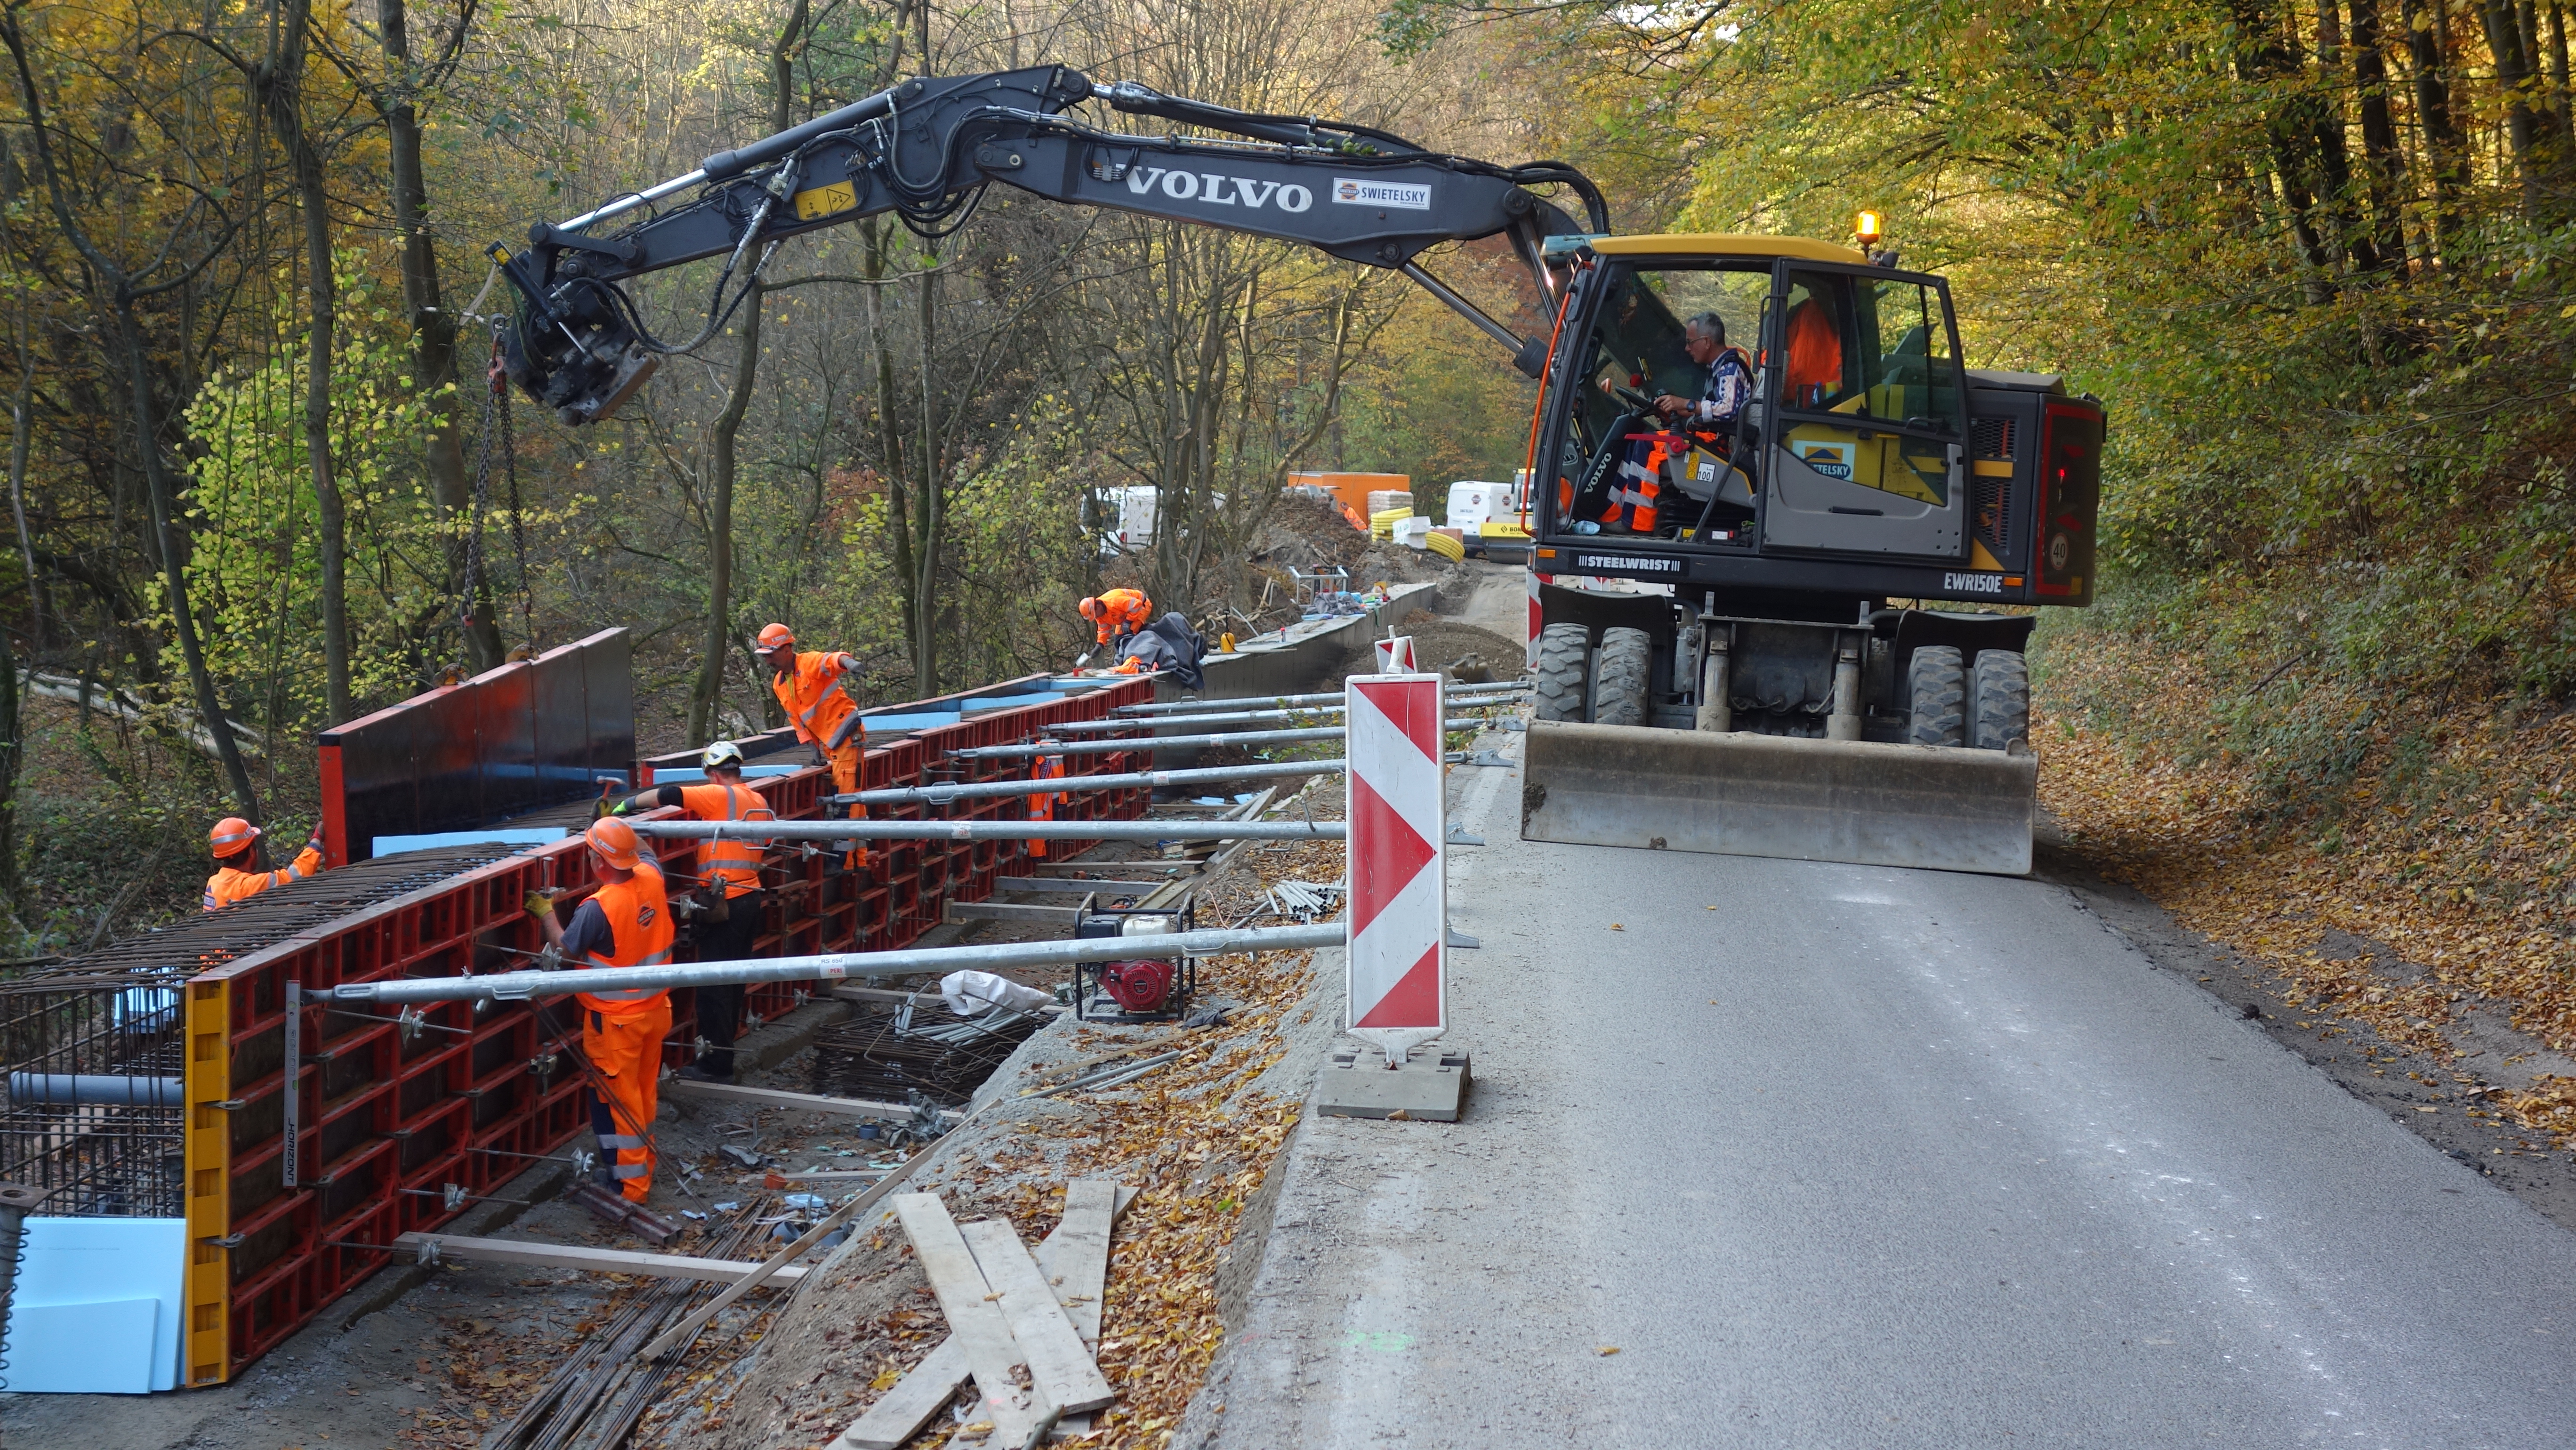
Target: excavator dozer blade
{"points": [[1742, 794]]}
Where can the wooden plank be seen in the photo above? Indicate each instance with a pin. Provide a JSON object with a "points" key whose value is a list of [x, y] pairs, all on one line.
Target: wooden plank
{"points": [[1076, 1256], [1073, 885], [975, 1321], [534, 1254], [1060, 1368], [729, 1092], [900, 1413], [1006, 911]]}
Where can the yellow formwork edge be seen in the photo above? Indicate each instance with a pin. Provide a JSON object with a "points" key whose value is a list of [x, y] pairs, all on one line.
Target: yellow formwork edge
{"points": [[206, 1334]]}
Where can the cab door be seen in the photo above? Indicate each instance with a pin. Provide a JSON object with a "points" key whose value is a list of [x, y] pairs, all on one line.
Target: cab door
{"points": [[1865, 414]]}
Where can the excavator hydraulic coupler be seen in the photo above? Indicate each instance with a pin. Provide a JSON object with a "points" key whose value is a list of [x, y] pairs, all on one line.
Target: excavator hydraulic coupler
{"points": [[1737, 793]]}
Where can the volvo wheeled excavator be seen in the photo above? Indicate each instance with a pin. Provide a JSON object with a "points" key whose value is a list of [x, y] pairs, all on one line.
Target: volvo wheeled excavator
{"points": [[1734, 636]]}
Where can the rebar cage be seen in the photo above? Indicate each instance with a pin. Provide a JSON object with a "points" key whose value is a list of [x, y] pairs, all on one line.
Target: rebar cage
{"points": [[94, 1159]]}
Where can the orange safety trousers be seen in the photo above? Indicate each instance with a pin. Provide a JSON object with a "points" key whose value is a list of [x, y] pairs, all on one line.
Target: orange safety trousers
{"points": [[845, 781], [625, 1049], [1042, 805]]}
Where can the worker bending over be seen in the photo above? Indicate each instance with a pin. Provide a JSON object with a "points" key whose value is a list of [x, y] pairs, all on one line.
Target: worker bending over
{"points": [[730, 899], [1119, 613], [808, 685], [235, 843], [625, 923]]}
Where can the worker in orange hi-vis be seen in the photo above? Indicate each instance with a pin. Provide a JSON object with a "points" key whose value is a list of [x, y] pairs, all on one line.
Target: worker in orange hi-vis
{"points": [[235, 842], [809, 686], [1042, 805], [625, 923], [1118, 613]]}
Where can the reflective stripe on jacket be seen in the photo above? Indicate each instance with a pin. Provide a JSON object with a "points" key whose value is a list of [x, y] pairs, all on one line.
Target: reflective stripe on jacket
{"points": [[229, 885], [735, 863], [813, 697], [639, 919]]}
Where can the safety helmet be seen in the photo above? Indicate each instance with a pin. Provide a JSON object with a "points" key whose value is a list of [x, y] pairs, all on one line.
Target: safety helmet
{"points": [[772, 636], [1091, 607], [615, 842], [231, 836], [723, 752]]}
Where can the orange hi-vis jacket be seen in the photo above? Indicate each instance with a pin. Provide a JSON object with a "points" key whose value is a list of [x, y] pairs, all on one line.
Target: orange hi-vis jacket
{"points": [[1122, 611], [1042, 805], [229, 885], [639, 918], [812, 693], [735, 863]]}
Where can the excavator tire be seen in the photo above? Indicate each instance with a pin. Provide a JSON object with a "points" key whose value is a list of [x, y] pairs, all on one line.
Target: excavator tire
{"points": [[1998, 699], [1619, 678], [1937, 695], [1562, 651]]}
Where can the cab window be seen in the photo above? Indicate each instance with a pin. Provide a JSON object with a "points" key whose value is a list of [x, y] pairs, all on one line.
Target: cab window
{"points": [[1870, 347]]}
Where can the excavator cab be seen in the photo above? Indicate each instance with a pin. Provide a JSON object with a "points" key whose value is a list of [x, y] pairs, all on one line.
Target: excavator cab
{"points": [[1780, 636]]}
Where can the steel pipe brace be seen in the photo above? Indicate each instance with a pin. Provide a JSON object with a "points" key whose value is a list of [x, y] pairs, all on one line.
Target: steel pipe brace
{"points": [[993, 830], [840, 966]]}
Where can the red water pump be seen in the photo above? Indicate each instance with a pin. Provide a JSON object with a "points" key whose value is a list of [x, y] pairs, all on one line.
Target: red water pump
{"points": [[1138, 986]]}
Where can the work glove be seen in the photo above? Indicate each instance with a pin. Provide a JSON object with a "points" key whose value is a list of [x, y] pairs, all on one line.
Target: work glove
{"points": [[622, 807], [539, 904]]}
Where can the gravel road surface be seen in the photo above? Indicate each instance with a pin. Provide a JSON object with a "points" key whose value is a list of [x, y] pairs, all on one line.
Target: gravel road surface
{"points": [[1778, 1154]]}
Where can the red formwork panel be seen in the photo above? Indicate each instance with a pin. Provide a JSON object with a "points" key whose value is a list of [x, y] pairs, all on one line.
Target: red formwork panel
{"points": [[388, 1117]]}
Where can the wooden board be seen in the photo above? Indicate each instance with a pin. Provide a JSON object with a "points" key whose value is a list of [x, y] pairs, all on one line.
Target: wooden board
{"points": [[1075, 1258], [975, 1321], [1006, 911], [539, 1255], [1060, 1369], [899, 1414], [752, 1097]]}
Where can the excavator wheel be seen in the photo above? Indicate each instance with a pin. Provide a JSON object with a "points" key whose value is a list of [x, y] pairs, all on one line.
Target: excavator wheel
{"points": [[1562, 649], [1937, 694], [1998, 699], [1619, 679]]}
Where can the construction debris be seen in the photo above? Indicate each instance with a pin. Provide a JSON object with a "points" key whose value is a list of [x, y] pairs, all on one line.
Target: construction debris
{"points": [[916, 1048]]}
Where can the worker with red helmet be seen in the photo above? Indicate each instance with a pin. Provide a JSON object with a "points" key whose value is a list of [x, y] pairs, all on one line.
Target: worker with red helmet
{"points": [[1118, 613], [625, 923], [729, 894], [235, 843], [825, 717]]}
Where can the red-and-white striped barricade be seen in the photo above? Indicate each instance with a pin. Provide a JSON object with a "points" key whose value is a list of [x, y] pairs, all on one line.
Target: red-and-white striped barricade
{"points": [[1399, 902], [1395, 655]]}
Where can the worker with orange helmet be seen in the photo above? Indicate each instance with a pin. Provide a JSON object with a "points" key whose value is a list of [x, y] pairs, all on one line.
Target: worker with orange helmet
{"points": [[1118, 613], [727, 926], [825, 717], [625, 923], [235, 843]]}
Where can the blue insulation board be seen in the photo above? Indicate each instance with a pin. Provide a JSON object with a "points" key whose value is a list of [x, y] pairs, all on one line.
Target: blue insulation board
{"points": [[97, 1306], [516, 836], [877, 725], [678, 775]]}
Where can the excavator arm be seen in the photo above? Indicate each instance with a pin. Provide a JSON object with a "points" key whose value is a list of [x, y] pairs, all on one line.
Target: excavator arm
{"points": [[926, 149]]}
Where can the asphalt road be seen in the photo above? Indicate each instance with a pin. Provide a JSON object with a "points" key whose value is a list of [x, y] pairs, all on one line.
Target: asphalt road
{"points": [[1845, 1156]]}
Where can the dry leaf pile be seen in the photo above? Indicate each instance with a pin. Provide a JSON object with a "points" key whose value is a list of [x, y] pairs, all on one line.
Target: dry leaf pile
{"points": [[2449, 845]]}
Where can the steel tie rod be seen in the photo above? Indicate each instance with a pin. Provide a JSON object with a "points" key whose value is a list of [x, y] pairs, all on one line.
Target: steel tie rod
{"points": [[1331, 697], [1161, 742], [838, 966], [1165, 722], [940, 795], [994, 830]]}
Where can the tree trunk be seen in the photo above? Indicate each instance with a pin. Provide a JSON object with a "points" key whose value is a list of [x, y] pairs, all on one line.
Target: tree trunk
{"points": [[708, 692], [2444, 148], [2383, 163], [2264, 60], [2558, 106], [11, 755], [147, 428], [433, 329], [2513, 78], [2342, 204]]}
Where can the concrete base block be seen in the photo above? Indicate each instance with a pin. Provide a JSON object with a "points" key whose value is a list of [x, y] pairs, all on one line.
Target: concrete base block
{"points": [[1431, 1087]]}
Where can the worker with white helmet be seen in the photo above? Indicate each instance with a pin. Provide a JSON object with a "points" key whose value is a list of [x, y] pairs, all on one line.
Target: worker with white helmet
{"points": [[729, 898]]}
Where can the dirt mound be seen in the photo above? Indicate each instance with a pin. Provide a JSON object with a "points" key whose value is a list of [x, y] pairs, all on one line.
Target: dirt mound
{"points": [[1446, 644], [1304, 532]]}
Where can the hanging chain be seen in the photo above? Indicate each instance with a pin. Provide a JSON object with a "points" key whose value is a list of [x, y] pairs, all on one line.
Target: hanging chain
{"points": [[518, 521], [465, 605]]}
